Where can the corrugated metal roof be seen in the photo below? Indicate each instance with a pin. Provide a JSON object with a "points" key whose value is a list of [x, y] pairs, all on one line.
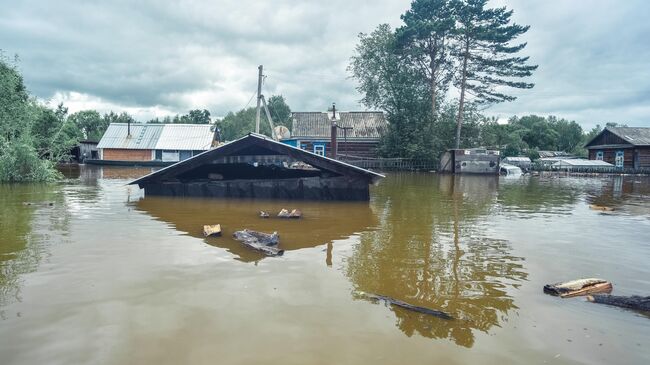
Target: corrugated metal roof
{"points": [[582, 162], [185, 137], [369, 125], [157, 136], [638, 136], [517, 159], [143, 136]]}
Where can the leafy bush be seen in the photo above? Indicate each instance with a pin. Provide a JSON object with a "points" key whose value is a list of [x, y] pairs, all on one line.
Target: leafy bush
{"points": [[19, 162]]}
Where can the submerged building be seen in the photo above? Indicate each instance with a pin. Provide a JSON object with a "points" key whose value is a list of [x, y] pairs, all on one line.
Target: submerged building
{"points": [[624, 147], [470, 161], [256, 166], [131, 143]]}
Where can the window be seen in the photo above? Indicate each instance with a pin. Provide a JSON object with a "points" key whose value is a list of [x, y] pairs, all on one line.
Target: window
{"points": [[599, 155], [319, 149], [620, 158]]}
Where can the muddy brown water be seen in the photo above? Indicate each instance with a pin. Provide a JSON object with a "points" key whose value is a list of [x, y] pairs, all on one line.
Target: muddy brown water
{"points": [[104, 275]]}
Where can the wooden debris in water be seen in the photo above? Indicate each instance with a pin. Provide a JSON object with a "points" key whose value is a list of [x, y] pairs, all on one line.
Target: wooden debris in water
{"points": [[601, 208], [263, 242], [402, 304], [578, 287], [295, 214], [284, 213], [264, 214], [634, 302], [212, 230]]}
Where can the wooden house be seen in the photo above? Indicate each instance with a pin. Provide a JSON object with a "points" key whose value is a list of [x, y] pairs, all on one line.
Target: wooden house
{"points": [[624, 147], [256, 166], [162, 144], [354, 135]]}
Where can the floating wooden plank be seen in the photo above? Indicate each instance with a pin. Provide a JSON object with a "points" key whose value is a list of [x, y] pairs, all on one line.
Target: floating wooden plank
{"points": [[601, 208], [284, 213], [212, 230], [578, 287], [295, 214], [634, 302], [263, 242], [402, 304]]}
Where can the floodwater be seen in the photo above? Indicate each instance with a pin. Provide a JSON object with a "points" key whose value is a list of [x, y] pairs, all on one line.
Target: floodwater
{"points": [[103, 275]]}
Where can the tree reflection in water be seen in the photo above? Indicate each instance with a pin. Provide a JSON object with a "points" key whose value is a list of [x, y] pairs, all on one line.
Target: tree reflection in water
{"points": [[26, 232], [432, 251]]}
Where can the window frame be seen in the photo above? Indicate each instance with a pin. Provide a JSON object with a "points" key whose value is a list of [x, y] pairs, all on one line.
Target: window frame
{"points": [[321, 148]]}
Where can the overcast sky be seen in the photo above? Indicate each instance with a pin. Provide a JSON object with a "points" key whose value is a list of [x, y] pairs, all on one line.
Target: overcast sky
{"points": [[152, 59]]}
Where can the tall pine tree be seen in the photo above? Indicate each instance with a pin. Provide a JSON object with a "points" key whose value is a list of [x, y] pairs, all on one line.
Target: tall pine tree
{"points": [[424, 42], [486, 59]]}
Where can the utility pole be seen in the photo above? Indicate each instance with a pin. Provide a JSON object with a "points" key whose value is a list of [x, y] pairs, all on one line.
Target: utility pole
{"points": [[259, 99]]}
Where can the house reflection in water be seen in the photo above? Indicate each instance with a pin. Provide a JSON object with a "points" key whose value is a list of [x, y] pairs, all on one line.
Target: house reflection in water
{"points": [[432, 251], [322, 222]]}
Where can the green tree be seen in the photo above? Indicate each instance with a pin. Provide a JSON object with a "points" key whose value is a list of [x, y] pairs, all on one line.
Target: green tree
{"points": [[569, 134], [90, 123], [19, 120], [113, 117], [485, 56], [196, 116], [280, 111], [424, 42], [53, 134], [389, 84]]}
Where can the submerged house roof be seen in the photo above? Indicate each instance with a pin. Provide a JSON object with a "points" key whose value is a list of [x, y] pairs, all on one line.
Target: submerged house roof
{"points": [[157, 136], [634, 136], [255, 147], [365, 125]]}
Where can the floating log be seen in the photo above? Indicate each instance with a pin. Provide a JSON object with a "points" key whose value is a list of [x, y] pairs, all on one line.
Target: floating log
{"points": [[212, 230], [402, 304], [263, 242], [601, 208], [634, 302], [578, 287], [264, 214]]}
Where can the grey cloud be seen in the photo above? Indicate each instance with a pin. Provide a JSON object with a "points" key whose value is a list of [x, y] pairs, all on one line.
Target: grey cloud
{"points": [[183, 54]]}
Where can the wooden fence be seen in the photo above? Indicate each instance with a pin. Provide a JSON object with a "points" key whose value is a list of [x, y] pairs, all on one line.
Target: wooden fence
{"points": [[590, 170], [390, 164]]}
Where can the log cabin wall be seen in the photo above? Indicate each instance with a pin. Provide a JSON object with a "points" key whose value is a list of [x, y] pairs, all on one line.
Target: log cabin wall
{"points": [[609, 156], [353, 149], [643, 157]]}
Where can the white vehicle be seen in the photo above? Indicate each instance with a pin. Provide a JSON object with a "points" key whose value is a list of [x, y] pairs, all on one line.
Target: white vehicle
{"points": [[508, 170]]}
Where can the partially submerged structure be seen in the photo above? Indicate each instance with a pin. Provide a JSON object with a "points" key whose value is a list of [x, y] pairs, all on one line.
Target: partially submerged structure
{"points": [[152, 144], [342, 135], [624, 147], [470, 161], [581, 164], [522, 162], [256, 166]]}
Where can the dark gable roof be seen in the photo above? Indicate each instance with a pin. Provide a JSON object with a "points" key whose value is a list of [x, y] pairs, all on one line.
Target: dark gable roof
{"points": [[258, 140], [636, 136], [365, 125]]}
